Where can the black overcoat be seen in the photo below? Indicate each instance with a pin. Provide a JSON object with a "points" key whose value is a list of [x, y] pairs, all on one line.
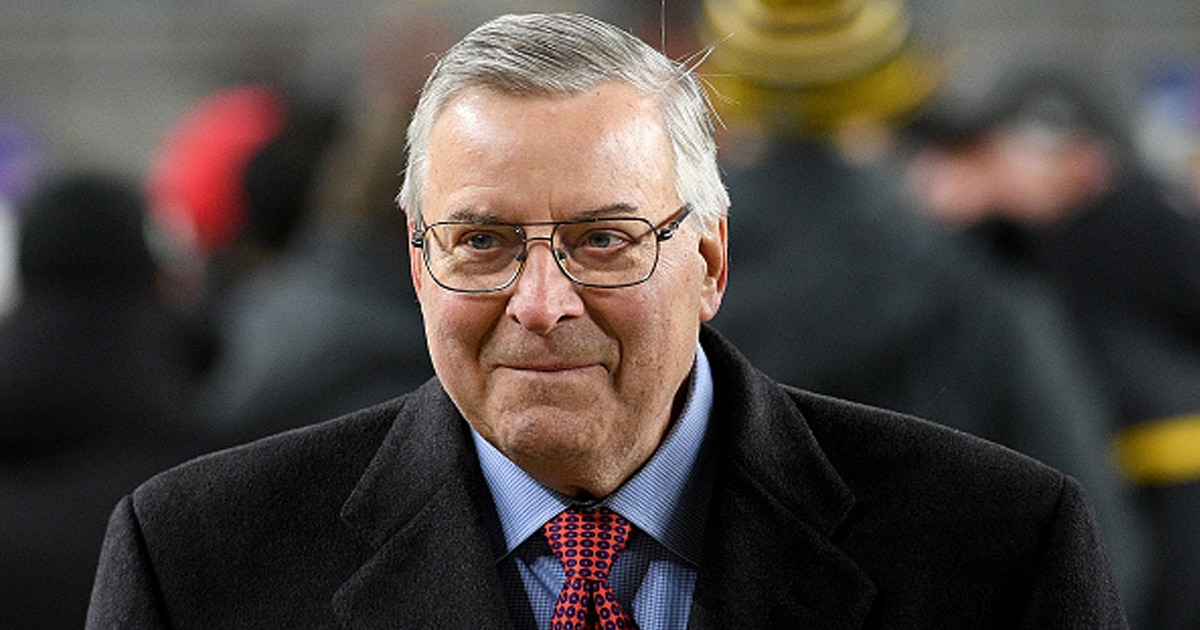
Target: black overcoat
{"points": [[824, 514]]}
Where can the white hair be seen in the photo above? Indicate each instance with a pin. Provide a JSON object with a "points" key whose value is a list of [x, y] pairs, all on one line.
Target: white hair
{"points": [[567, 54]]}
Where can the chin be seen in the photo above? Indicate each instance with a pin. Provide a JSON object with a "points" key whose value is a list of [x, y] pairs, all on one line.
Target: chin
{"points": [[548, 433]]}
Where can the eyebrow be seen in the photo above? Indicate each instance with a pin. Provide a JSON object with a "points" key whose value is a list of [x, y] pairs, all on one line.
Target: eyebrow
{"points": [[612, 209], [470, 216], [619, 208]]}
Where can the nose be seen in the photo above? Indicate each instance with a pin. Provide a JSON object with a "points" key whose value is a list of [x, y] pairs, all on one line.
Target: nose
{"points": [[543, 295]]}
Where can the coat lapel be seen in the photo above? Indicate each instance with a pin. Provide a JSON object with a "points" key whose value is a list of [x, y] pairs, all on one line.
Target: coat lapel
{"points": [[417, 508], [770, 557]]}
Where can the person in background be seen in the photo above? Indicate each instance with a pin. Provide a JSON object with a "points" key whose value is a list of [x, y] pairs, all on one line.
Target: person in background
{"points": [[588, 439], [195, 189], [1041, 178], [863, 300], [331, 327], [94, 391]]}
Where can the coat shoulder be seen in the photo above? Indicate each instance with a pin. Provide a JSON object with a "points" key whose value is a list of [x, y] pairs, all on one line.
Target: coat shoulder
{"points": [[868, 445], [296, 465]]}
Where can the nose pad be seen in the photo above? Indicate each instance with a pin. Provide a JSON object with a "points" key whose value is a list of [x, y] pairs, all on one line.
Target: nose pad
{"points": [[559, 255]]}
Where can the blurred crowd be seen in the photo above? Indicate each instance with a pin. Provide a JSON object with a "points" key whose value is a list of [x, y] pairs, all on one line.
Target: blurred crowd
{"points": [[1022, 264]]}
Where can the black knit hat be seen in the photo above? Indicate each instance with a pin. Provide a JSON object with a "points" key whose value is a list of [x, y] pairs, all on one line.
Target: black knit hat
{"points": [[83, 227], [1049, 98]]}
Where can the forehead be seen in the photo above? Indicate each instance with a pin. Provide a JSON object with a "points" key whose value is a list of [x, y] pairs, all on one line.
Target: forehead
{"points": [[493, 153]]}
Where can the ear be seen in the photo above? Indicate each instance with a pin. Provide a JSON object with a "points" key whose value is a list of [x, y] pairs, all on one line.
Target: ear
{"points": [[416, 268], [714, 249]]}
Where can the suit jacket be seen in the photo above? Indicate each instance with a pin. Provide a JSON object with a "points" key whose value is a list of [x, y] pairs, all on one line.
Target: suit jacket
{"points": [[824, 514]]}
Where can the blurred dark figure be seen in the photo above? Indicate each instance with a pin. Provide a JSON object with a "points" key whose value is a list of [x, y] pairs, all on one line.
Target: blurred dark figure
{"points": [[335, 325], [94, 393], [201, 224], [277, 184], [1046, 183], [278, 181], [836, 287]]}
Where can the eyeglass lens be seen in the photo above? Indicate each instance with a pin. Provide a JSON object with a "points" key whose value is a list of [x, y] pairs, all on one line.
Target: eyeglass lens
{"points": [[484, 257]]}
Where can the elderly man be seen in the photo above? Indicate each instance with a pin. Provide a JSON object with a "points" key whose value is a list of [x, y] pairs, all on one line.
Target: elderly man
{"points": [[590, 454]]}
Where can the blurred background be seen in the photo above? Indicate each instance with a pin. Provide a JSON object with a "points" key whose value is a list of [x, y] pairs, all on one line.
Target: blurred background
{"points": [[104, 80], [198, 244]]}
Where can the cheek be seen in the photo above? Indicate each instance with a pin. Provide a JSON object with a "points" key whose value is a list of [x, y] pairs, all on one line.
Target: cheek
{"points": [[454, 327], [677, 296], [660, 322]]}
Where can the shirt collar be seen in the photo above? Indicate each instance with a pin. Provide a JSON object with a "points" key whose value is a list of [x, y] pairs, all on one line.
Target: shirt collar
{"points": [[666, 499]]}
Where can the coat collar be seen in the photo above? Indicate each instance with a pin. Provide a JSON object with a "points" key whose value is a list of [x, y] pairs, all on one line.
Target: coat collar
{"points": [[431, 563], [770, 556]]}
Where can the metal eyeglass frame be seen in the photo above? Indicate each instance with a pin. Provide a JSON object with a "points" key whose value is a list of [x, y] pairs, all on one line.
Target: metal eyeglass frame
{"points": [[663, 233]]}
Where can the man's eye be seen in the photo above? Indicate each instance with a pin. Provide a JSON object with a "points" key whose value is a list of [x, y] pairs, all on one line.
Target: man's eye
{"points": [[600, 239], [604, 239], [482, 240]]}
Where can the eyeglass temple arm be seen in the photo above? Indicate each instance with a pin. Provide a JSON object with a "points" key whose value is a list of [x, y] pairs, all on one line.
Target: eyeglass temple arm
{"points": [[670, 229]]}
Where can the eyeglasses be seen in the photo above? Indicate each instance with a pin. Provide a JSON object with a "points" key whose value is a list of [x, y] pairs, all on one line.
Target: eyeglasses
{"points": [[602, 252]]}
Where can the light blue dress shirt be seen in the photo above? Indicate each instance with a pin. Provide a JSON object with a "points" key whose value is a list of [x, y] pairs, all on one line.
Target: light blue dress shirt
{"points": [[666, 501]]}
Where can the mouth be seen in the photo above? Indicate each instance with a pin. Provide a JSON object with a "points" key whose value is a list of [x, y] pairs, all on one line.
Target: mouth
{"points": [[550, 367], [547, 368]]}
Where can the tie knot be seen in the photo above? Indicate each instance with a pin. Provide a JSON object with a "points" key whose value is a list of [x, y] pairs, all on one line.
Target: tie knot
{"points": [[587, 542]]}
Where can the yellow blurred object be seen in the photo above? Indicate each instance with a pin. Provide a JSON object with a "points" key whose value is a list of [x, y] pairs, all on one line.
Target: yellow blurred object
{"points": [[808, 66], [1161, 452]]}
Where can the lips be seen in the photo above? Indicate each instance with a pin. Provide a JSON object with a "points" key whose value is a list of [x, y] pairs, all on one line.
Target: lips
{"points": [[547, 367]]}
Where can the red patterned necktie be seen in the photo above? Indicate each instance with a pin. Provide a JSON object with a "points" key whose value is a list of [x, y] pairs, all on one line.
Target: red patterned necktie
{"points": [[587, 542]]}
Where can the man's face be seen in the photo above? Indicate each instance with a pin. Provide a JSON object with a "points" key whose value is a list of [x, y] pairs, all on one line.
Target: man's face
{"points": [[576, 385]]}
